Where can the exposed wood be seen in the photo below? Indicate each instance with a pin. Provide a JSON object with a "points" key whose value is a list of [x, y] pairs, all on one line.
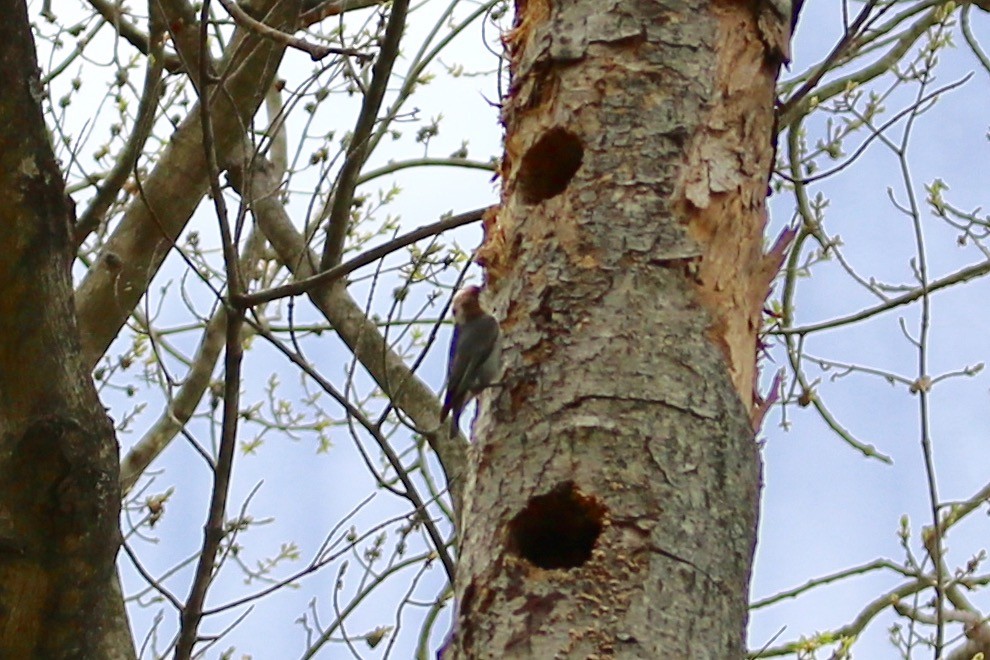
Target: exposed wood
{"points": [[614, 505]]}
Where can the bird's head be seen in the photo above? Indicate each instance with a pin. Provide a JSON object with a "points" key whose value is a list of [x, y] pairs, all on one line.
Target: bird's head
{"points": [[466, 305]]}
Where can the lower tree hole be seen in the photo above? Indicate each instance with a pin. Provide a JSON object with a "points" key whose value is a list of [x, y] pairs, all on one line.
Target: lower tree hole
{"points": [[549, 165], [557, 530]]}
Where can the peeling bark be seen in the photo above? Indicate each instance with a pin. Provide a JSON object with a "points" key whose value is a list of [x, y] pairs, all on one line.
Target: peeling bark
{"points": [[613, 506]]}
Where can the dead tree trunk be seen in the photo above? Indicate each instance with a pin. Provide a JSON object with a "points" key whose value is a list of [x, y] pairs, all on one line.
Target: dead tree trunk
{"points": [[613, 504]]}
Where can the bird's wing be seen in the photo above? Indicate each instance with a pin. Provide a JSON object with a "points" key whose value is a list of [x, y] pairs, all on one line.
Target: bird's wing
{"points": [[452, 356], [482, 333]]}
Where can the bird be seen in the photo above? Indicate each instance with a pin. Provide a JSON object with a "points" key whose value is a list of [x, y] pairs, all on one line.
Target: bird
{"points": [[475, 352]]}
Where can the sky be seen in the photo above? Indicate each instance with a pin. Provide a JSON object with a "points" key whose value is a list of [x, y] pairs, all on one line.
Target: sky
{"points": [[825, 507]]}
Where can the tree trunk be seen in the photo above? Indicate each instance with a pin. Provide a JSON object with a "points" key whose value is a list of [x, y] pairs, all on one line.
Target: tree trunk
{"points": [[59, 491], [613, 507]]}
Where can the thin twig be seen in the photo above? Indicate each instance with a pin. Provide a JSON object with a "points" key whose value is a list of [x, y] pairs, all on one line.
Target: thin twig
{"points": [[213, 532], [316, 51], [845, 43], [143, 123], [113, 12], [868, 73], [411, 493], [959, 277], [357, 150], [333, 8], [307, 284]]}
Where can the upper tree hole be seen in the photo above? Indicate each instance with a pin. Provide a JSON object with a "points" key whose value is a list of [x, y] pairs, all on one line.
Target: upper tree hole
{"points": [[548, 166], [559, 529]]}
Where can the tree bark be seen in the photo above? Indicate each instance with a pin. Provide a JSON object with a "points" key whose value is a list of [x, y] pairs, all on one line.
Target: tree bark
{"points": [[59, 493], [614, 502]]}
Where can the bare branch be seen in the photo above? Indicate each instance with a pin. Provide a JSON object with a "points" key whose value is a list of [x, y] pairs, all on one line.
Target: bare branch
{"points": [[128, 157], [138, 246], [316, 51], [369, 257], [357, 151], [404, 389]]}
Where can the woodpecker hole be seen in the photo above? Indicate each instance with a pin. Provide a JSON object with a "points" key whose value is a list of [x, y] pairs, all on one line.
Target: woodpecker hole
{"points": [[549, 165], [559, 529]]}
